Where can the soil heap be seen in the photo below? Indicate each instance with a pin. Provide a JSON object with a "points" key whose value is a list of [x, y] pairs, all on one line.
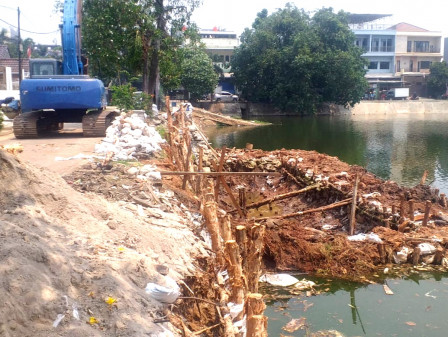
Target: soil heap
{"points": [[67, 255]]}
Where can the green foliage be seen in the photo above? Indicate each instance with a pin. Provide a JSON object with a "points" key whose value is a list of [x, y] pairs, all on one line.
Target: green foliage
{"points": [[198, 75], [297, 62], [126, 98], [138, 38], [1, 121], [438, 79]]}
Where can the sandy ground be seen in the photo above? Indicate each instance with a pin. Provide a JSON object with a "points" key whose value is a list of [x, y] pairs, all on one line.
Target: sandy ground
{"points": [[64, 253], [43, 151]]}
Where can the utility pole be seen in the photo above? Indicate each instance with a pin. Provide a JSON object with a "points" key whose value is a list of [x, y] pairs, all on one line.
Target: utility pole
{"points": [[19, 46]]}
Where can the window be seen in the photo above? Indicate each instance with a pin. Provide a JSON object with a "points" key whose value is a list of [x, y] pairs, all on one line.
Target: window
{"points": [[386, 44], [409, 46], [375, 44], [421, 46], [398, 65], [362, 43], [425, 64], [373, 65], [384, 65], [227, 58]]}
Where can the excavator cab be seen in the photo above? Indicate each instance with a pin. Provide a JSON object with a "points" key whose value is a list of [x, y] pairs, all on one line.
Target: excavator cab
{"points": [[45, 67]]}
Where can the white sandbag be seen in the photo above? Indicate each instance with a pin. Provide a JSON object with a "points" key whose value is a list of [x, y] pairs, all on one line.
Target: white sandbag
{"points": [[426, 248], [402, 255], [282, 280], [164, 294]]}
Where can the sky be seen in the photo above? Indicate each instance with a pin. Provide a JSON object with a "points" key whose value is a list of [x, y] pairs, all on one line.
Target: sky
{"points": [[235, 15]]}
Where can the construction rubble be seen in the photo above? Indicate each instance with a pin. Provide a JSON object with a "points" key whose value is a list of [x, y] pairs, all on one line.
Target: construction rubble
{"points": [[197, 227]]}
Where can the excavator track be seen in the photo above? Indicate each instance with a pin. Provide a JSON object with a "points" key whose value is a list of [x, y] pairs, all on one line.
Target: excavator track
{"points": [[95, 123], [26, 125], [34, 124]]}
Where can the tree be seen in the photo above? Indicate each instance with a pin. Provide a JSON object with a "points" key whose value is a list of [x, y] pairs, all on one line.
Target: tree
{"points": [[297, 63], [438, 79], [198, 75], [133, 37]]}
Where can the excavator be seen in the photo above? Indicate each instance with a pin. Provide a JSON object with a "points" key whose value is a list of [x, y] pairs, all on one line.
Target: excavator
{"points": [[58, 92]]}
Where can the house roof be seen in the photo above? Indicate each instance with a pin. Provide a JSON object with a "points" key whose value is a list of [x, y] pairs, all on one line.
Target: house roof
{"points": [[14, 64], [364, 18], [4, 52], [407, 27]]}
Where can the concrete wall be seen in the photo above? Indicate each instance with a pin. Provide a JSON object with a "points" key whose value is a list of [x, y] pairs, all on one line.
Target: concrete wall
{"points": [[397, 107], [231, 109]]}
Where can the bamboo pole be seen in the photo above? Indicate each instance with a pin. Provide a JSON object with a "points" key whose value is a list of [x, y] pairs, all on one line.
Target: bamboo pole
{"points": [[242, 199], [319, 209], [187, 166], [217, 174], [280, 197], [353, 210], [443, 199], [402, 207]]}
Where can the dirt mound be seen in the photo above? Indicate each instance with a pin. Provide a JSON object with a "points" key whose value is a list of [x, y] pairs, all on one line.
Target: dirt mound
{"points": [[63, 253]]}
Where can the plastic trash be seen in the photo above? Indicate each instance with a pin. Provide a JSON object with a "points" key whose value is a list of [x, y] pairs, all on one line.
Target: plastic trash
{"points": [[426, 248], [304, 284], [235, 309], [164, 294], [58, 320], [402, 255], [372, 237], [282, 280]]}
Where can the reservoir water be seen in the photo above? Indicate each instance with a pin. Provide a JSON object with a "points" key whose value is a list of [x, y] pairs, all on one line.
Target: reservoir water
{"points": [[398, 148]]}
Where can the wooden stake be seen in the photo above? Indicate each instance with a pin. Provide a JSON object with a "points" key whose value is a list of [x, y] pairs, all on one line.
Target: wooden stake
{"points": [[394, 209], [211, 221], [443, 200], [257, 326], [402, 207], [353, 210], [254, 304], [427, 210], [416, 256], [411, 210], [226, 227], [253, 268], [220, 166], [199, 178], [242, 199], [235, 271], [425, 175], [241, 239], [438, 257], [187, 166]]}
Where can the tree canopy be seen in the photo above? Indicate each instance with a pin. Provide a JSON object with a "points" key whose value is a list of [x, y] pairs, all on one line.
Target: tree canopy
{"points": [[298, 62], [135, 38], [438, 79], [198, 75]]}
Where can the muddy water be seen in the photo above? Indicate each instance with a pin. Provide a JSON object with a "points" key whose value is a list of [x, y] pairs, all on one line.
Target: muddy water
{"points": [[398, 147], [417, 308]]}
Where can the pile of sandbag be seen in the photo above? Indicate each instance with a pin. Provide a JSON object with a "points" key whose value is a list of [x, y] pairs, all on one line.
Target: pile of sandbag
{"points": [[130, 137]]}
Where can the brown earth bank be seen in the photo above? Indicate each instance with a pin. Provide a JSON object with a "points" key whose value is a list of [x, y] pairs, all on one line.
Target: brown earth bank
{"points": [[90, 243]]}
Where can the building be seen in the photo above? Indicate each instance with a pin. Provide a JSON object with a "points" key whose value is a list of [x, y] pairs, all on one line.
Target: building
{"points": [[220, 45], [398, 55], [7, 62]]}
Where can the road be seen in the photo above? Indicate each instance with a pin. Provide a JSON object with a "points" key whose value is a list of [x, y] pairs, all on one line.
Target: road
{"points": [[43, 151]]}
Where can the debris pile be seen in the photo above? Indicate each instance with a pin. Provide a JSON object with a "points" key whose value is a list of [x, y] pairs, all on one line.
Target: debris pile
{"points": [[130, 137]]}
